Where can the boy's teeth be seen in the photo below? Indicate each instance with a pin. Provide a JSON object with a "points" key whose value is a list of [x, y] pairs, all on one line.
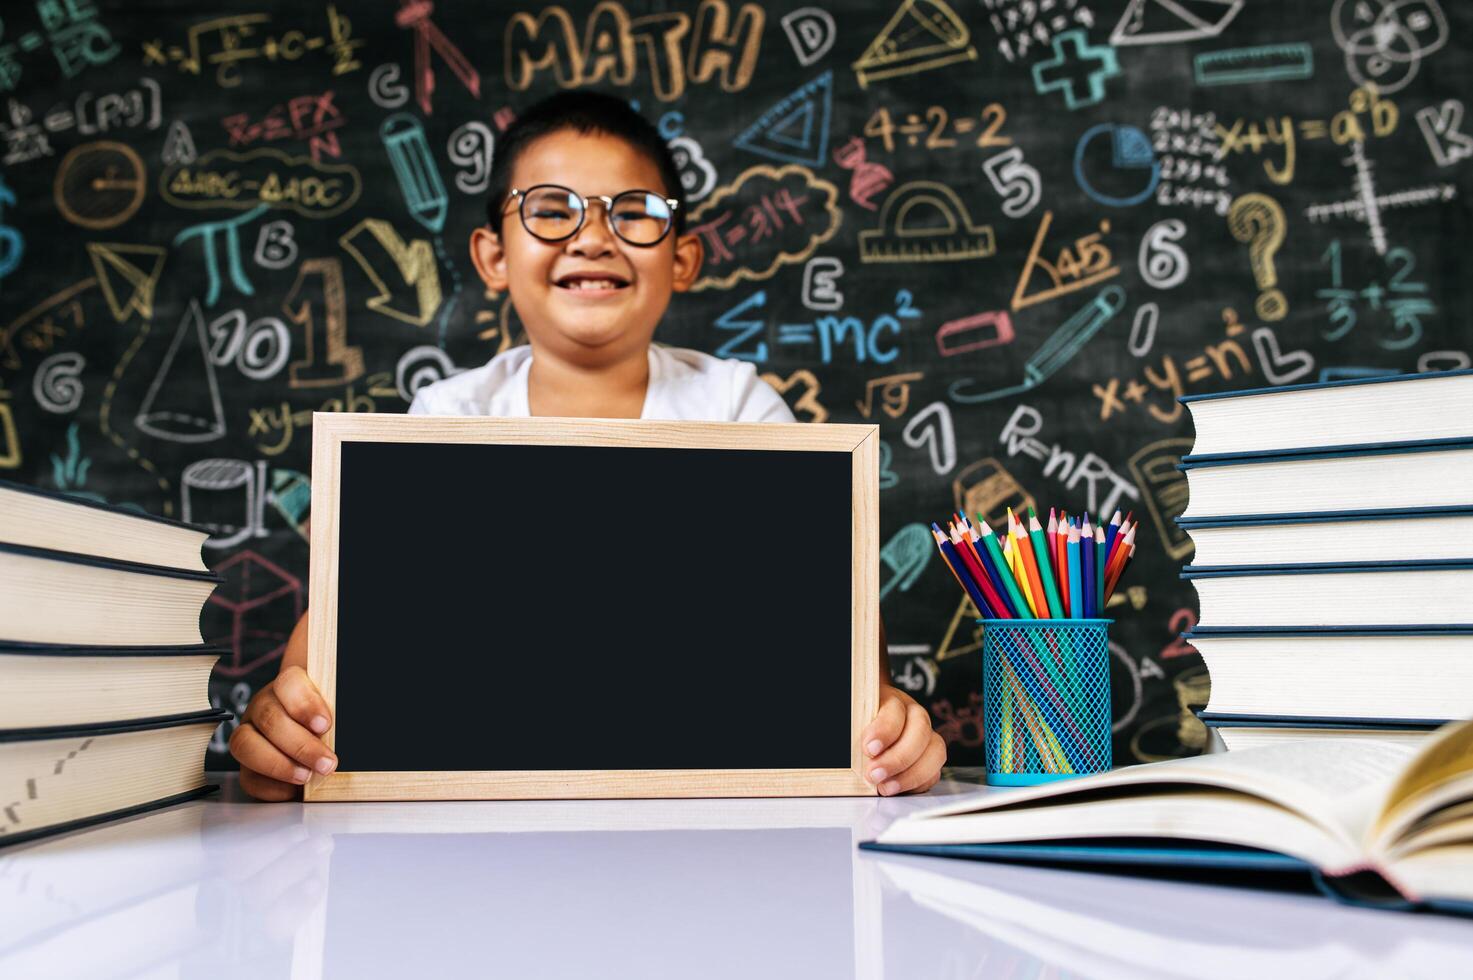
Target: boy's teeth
{"points": [[592, 284]]}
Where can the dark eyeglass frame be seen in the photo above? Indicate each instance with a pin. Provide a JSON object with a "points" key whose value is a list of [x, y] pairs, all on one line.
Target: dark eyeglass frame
{"points": [[520, 196]]}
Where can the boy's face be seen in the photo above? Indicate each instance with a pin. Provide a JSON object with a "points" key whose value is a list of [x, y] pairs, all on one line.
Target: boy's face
{"points": [[588, 326]]}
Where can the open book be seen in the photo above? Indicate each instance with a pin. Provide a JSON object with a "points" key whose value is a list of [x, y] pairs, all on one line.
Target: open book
{"points": [[1379, 823]]}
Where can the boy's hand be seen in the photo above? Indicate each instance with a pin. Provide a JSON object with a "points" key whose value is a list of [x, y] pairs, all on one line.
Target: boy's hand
{"points": [[277, 742], [903, 754]]}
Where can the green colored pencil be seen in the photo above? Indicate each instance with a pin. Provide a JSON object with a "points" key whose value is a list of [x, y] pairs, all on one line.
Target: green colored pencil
{"points": [[1003, 571], [1045, 567]]}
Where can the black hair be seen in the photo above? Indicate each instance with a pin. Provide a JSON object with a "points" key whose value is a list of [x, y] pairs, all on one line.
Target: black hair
{"points": [[582, 112]]}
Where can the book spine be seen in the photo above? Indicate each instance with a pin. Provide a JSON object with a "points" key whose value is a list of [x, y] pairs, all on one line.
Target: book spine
{"points": [[1365, 885]]}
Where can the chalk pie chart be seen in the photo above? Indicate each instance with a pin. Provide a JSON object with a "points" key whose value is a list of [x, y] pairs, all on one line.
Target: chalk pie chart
{"points": [[1115, 165]]}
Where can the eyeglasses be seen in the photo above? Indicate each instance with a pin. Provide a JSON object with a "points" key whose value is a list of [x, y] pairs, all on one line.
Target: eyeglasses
{"points": [[554, 213]]}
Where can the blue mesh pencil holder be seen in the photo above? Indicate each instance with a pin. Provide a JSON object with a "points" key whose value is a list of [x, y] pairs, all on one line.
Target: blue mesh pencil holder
{"points": [[1045, 699]]}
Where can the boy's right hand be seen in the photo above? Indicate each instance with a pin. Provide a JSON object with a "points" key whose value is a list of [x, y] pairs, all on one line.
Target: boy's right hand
{"points": [[278, 743]]}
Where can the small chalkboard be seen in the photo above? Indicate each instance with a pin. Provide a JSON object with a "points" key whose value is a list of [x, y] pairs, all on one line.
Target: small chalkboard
{"points": [[704, 594]]}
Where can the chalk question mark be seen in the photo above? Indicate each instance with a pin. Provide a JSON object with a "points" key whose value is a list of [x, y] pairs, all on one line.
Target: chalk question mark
{"points": [[1258, 221]]}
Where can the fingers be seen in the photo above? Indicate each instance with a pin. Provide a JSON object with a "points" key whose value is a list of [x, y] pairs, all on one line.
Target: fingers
{"points": [[258, 756], [923, 774], [905, 752], [889, 721], [273, 722], [301, 699]]}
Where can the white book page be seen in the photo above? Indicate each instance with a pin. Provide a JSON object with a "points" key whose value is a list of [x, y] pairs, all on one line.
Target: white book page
{"points": [[1439, 872], [1334, 784], [1205, 815]]}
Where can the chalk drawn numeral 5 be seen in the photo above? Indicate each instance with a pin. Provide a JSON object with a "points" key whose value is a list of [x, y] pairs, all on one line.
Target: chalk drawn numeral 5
{"points": [[1015, 181]]}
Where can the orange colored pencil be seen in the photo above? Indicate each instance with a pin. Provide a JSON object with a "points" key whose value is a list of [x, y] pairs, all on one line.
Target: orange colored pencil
{"points": [[1130, 555], [1123, 556], [1030, 562], [1123, 541]]}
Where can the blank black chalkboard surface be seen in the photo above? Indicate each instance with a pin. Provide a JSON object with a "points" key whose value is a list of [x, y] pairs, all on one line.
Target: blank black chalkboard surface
{"points": [[454, 558]]}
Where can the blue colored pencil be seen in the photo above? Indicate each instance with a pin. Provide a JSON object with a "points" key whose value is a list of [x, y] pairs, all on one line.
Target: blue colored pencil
{"points": [[1111, 532], [990, 567], [1087, 566], [959, 569], [1076, 587]]}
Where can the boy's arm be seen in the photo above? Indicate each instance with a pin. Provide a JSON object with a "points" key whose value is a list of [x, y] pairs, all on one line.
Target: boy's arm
{"points": [[278, 740], [905, 755]]}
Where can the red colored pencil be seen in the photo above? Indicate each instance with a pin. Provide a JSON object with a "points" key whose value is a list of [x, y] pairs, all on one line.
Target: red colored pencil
{"points": [[1123, 552], [968, 551], [1061, 564], [1061, 557]]}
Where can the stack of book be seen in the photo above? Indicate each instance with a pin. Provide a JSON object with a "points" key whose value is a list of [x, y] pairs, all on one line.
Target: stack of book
{"points": [[104, 676], [1333, 526]]}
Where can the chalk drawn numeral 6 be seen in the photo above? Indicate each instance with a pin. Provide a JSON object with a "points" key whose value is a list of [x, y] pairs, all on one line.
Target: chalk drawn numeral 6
{"points": [[1017, 182], [1164, 264]]}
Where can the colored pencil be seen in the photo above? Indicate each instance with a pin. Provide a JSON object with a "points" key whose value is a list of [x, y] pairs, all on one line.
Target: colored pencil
{"points": [[1056, 557], [1045, 567], [1029, 563], [1087, 566], [936, 533], [979, 575], [1064, 526], [958, 568], [999, 560], [1099, 570], [1127, 549], [1011, 554], [1060, 557], [1110, 534], [1027, 572], [969, 538], [1076, 585], [973, 536], [1025, 585], [1117, 553], [1129, 557]]}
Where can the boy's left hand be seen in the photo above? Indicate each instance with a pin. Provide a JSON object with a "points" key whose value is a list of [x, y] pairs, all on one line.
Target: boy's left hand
{"points": [[902, 753]]}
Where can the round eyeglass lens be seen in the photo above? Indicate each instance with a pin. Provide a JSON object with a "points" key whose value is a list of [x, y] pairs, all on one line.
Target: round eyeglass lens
{"points": [[640, 218], [551, 212]]}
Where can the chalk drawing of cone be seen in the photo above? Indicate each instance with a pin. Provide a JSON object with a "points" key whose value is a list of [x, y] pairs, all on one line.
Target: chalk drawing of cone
{"points": [[183, 402]]}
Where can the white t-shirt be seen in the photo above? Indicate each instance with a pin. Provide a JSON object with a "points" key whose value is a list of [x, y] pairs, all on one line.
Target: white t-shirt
{"points": [[684, 384]]}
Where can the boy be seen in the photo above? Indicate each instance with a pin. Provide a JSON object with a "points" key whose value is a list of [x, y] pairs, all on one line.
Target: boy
{"points": [[586, 231]]}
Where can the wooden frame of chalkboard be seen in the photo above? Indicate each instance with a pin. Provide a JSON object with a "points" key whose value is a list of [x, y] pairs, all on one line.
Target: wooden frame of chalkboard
{"points": [[409, 744]]}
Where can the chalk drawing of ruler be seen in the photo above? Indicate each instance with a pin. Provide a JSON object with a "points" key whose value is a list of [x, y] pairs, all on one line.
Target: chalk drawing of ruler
{"points": [[1057, 351]]}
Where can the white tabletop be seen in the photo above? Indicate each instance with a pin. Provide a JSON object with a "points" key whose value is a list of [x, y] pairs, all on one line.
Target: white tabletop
{"points": [[642, 888]]}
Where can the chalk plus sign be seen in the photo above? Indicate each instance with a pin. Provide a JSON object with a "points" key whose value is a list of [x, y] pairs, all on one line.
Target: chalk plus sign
{"points": [[1060, 71]]}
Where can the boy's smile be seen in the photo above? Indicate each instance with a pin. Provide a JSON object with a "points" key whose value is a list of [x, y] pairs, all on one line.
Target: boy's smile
{"points": [[591, 300]]}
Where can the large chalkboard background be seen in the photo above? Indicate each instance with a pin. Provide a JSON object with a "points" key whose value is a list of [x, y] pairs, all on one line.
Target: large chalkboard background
{"points": [[1010, 233]]}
